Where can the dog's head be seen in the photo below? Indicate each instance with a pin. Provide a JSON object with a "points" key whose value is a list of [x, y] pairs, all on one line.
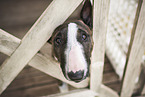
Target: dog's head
{"points": [[72, 45]]}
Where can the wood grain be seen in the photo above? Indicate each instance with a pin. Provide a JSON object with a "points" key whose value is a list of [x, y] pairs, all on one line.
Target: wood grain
{"points": [[35, 39], [46, 53], [100, 18], [76, 93], [45, 63], [136, 51], [8, 43]]}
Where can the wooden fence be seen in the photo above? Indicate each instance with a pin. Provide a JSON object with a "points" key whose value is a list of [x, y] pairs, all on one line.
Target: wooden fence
{"points": [[23, 52]]}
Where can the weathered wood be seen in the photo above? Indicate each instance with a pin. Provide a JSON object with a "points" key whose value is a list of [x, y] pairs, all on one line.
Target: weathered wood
{"points": [[136, 51], [104, 92], [51, 67], [76, 93], [46, 51], [35, 39], [8, 43], [45, 63], [107, 92], [141, 82], [100, 18]]}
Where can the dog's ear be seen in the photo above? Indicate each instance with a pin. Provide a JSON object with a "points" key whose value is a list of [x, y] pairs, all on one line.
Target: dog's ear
{"points": [[86, 13]]}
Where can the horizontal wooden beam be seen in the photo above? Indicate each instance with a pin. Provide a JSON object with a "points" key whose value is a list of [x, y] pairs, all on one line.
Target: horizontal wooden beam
{"points": [[104, 92], [8, 43], [45, 63], [75, 93], [35, 38]]}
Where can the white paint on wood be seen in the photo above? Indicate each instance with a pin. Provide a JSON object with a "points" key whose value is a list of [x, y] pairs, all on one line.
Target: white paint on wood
{"points": [[100, 18], [96, 69], [76, 93], [44, 62], [104, 92], [135, 56], [8, 43], [35, 39]]}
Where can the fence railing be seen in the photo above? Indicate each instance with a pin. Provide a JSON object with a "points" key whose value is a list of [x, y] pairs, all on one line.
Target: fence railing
{"points": [[23, 52]]}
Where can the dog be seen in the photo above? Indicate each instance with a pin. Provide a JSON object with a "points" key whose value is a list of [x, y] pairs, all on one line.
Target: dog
{"points": [[72, 45]]}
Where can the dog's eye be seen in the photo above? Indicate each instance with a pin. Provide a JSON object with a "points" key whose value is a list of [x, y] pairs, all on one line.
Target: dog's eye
{"points": [[84, 37], [58, 41]]}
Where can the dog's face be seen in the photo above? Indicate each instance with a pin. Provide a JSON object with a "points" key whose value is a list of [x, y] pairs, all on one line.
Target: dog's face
{"points": [[72, 45]]}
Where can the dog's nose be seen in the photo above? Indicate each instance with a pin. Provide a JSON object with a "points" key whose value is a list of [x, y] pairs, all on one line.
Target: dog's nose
{"points": [[77, 76]]}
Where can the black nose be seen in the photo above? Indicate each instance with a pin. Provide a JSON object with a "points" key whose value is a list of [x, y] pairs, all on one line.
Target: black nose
{"points": [[77, 76]]}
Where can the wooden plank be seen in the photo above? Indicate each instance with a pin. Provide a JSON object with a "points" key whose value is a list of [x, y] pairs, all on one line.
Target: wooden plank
{"points": [[76, 93], [107, 78], [136, 51], [104, 92], [47, 52], [35, 39], [52, 68], [107, 92], [32, 72], [8, 43], [140, 84], [100, 18], [45, 63]]}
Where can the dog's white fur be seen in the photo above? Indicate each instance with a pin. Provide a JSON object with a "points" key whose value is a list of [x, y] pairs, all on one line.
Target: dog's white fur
{"points": [[75, 59]]}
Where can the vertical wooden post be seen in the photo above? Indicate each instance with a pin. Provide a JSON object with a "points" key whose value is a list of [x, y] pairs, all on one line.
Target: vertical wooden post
{"points": [[100, 19], [136, 51]]}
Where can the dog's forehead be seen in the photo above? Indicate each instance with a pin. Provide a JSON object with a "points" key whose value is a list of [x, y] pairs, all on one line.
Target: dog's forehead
{"points": [[81, 25], [64, 27]]}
